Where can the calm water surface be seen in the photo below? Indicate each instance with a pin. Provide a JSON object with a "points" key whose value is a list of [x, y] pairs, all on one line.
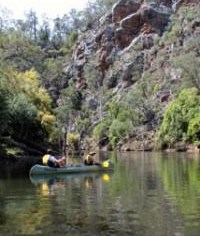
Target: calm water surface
{"points": [[148, 194]]}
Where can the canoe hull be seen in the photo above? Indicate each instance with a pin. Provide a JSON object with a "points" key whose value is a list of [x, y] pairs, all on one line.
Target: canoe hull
{"points": [[80, 168]]}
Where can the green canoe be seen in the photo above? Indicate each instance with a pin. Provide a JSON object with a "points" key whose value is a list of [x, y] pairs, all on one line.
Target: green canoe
{"points": [[76, 168]]}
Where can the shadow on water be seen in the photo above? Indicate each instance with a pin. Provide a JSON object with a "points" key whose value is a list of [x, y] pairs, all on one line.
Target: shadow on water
{"points": [[19, 167]]}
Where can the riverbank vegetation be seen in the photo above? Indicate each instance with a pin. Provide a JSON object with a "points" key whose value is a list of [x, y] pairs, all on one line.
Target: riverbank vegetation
{"points": [[49, 97]]}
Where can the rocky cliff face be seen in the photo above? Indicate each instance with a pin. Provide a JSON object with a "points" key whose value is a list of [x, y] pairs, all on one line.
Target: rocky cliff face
{"points": [[123, 44], [127, 23]]}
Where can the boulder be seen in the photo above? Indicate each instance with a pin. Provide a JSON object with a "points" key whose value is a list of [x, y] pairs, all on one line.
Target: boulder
{"points": [[122, 9]]}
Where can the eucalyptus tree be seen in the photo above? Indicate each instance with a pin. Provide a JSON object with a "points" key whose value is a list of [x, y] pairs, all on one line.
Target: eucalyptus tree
{"points": [[57, 39], [44, 33], [32, 24], [75, 19], [5, 19]]}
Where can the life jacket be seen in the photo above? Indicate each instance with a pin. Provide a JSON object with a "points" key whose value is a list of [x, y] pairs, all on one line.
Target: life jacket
{"points": [[45, 159], [88, 160]]}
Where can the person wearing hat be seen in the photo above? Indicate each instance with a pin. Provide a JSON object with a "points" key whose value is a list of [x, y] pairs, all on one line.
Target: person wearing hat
{"points": [[51, 161], [89, 159]]}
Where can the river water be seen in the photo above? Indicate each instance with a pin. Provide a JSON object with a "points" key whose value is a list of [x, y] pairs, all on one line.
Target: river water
{"points": [[147, 194]]}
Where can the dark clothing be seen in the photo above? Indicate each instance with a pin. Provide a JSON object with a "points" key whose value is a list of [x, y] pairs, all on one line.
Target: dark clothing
{"points": [[50, 161], [88, 160]]}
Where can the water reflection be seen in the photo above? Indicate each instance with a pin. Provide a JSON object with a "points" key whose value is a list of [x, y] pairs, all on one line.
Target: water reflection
{"points": [[51, 185], [181, 181], [147, 194]]}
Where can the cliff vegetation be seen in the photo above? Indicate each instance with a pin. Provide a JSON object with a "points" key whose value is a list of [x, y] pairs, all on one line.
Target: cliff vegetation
{"points": [[118, 75]]}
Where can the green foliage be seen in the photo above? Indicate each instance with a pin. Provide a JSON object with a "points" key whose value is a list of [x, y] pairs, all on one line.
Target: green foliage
{"points": [[72, 98], [181, 23], [28, 83], [113, 109], [4, 110], [95, 9], [173, 35], [117, 131], [190, 14], [83, 125], [124, 117], [27, 105], [181, 119], [72, 38], [101, 130], [23, 117], [139, 103], [92, 76], [189, 64], [44, 35], [67, 112], [63, 114], [193, 131], [73, 141], [121, 122], [52, 72], [19, 52], [33, 56]]}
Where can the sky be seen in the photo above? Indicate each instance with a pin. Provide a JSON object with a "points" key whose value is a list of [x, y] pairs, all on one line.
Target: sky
{"points": [[50, 8]]}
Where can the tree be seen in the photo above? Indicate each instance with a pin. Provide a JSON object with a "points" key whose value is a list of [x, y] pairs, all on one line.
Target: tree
{"points": [[189, 63], [5, 20], [32, 22], [4, 110], [19, 52], [29, 105], [23, 117], [181, 120], [44, 34]]}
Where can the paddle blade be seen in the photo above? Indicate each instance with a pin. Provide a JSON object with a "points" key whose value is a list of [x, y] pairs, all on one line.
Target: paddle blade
{"points": [[105, 163]]}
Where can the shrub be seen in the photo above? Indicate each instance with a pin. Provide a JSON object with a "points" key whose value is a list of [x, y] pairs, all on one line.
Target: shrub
{"points": [[193, 131], [181, 120], [23, 116], [73, 141], [4, 110], [101, 130], [117, 131]]}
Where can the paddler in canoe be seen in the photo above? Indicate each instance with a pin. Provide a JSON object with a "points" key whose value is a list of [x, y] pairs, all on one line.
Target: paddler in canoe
{"points": [[51, 161], [90, 160]]}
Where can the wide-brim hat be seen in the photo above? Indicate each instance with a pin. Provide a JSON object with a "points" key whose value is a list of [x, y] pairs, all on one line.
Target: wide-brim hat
{"points": [[49, 151], [92, 153]]}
